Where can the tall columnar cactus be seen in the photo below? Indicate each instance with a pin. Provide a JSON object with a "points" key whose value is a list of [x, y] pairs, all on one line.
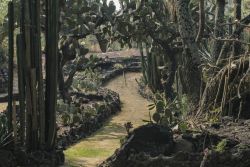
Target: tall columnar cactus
{"points": [[21, 88], [143, 64], [11, 56], [150, 69], [51, 70], [37, 118]]}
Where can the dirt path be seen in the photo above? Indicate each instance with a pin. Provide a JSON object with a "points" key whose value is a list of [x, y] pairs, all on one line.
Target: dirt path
{"points": [[96, 148]]}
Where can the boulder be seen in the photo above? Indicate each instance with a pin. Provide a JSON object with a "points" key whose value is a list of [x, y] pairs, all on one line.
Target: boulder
{"points": [[149, 139]]}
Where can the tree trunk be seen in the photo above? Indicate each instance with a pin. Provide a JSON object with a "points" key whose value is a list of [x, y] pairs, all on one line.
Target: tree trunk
{"points": [[226, 46], [191, 59], [169, 81], [218, 30], [201, 21], [237, 16]]}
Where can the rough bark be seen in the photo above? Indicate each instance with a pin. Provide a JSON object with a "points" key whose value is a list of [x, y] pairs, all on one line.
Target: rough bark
{"points": [[237, 16], [191, 59], [218, 30], [201, 21], [68, 52], [226, 46], [168, 85]]}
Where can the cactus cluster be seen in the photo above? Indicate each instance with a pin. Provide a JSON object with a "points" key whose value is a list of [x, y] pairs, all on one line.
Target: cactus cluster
{"points": [[37, 100], [150, 68]]}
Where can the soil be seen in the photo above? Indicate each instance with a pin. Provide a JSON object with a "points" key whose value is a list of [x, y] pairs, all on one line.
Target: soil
{"points": [[234, 130]]}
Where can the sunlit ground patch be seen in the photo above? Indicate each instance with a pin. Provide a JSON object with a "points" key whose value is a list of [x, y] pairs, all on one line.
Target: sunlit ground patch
{"points": [[3, 106], [75, 155], [87, 152]]}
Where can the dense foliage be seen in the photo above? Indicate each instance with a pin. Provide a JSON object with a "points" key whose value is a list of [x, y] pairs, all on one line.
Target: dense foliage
{"points": [[3, 9]]}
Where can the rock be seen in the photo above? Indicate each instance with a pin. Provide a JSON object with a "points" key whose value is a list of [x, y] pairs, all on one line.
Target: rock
{"points": [[216, 125], [237, 156], [227, 119], [21, 157], [149, 139], [6, 159], [182, 145], [247, 122], [83, 123], [60, 158]]}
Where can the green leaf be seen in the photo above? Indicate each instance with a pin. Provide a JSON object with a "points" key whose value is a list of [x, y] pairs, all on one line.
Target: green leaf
{"points": [[151, 108], [156, 117], [146, 121], [183, 127], [160, 106], [164, 121], [168, 113], [150, 105]]}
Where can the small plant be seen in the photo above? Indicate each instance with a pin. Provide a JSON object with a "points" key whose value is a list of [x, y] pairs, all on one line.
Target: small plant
{"points": [[182, 106], [118, 66], [221, 146], [65, 118], [89, 80], [93, 59], [89, 112], [183, 126], [214, 115], [61, 106], [123, 140], [170, 113], [101, 107], [128, 126], [76, 118], [163, 110]]}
